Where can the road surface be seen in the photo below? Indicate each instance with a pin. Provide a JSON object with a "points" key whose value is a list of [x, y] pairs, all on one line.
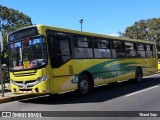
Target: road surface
{"points": [[124, 96]]}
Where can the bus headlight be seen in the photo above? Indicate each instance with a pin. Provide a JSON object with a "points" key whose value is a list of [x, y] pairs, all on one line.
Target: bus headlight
{"points": [[43, 78]]}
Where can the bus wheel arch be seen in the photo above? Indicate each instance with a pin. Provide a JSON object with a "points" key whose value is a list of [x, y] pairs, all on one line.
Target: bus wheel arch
{"points": [[138, 74], [85, 83]]}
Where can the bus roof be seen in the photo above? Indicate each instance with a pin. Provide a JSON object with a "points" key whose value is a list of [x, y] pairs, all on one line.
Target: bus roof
{"points": [[91, 34], [83, 33]]}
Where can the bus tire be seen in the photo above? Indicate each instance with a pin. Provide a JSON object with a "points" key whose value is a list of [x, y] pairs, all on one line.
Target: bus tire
{"points": [[84, 85], [53, 96], [138, 75]]}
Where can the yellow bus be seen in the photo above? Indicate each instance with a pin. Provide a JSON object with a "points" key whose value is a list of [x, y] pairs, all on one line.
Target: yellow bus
{"points": [[51, 60]]}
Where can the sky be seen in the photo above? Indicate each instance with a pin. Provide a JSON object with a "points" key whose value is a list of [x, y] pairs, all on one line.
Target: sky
{"points": [[99, 16]]}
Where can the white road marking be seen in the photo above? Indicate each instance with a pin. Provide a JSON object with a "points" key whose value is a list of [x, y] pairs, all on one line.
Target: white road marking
{"points": [[141, 91]]}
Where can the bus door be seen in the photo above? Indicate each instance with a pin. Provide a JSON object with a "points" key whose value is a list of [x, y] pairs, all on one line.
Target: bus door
{"points": [[60, 54]]}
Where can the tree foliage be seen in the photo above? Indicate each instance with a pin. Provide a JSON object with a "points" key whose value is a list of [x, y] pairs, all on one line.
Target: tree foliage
{"points": [[11, 20], [144, 30]]}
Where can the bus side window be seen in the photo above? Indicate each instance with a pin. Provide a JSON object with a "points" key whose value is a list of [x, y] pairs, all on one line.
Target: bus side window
{"points": [[83, 47], [119, 49], [65, 49], [141, 50], [130, 49], [148, 51], [113, 51], [59, 50], [153, 51], [102, 48], [50, 43]]}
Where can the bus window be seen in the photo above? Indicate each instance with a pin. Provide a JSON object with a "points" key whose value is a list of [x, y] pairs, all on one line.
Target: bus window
{"points": [[148, 51], [83, 47], [102, 49], [140, 50], [59, 50], [118, 49], [153, 51], [130, 49]]}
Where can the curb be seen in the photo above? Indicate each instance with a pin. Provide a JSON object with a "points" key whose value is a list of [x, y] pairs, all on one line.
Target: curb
{"points": [[17, 97]]}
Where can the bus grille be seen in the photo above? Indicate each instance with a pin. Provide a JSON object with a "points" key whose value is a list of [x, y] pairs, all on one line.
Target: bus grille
{"points": [[25, 89], [24, 74], [31, 81]]}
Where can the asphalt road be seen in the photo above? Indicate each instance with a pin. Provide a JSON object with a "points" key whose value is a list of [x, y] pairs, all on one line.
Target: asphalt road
{"points": [[133, 98]]}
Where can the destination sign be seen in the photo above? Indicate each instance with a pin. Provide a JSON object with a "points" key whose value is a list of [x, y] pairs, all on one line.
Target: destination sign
{"points": [[35, 41], [21, 34], [16, 45]]}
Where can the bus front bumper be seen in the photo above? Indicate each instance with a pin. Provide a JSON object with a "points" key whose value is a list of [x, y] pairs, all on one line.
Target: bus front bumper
{"points": [[37, 87]]}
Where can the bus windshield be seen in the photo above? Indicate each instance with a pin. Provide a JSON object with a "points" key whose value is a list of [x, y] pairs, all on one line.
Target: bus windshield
{"points": [[29, 53]]}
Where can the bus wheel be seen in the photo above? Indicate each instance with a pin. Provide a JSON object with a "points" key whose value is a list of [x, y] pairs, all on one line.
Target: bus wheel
{"points": [[84, 85], [138, 75]]}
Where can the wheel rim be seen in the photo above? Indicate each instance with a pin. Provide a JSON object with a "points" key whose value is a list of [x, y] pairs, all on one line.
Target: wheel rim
{"points": [[84, 86]]}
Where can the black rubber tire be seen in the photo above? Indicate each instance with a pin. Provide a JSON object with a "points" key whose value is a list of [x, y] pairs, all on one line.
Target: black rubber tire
{"points": [[138, 75], [84, 85]]}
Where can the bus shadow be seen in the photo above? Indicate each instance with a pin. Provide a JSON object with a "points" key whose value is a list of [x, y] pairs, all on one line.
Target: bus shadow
{"points": [[100, 94]]}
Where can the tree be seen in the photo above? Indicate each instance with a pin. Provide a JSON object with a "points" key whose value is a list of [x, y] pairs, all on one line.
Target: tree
{"points": [[144, 30], [11, 20]]}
